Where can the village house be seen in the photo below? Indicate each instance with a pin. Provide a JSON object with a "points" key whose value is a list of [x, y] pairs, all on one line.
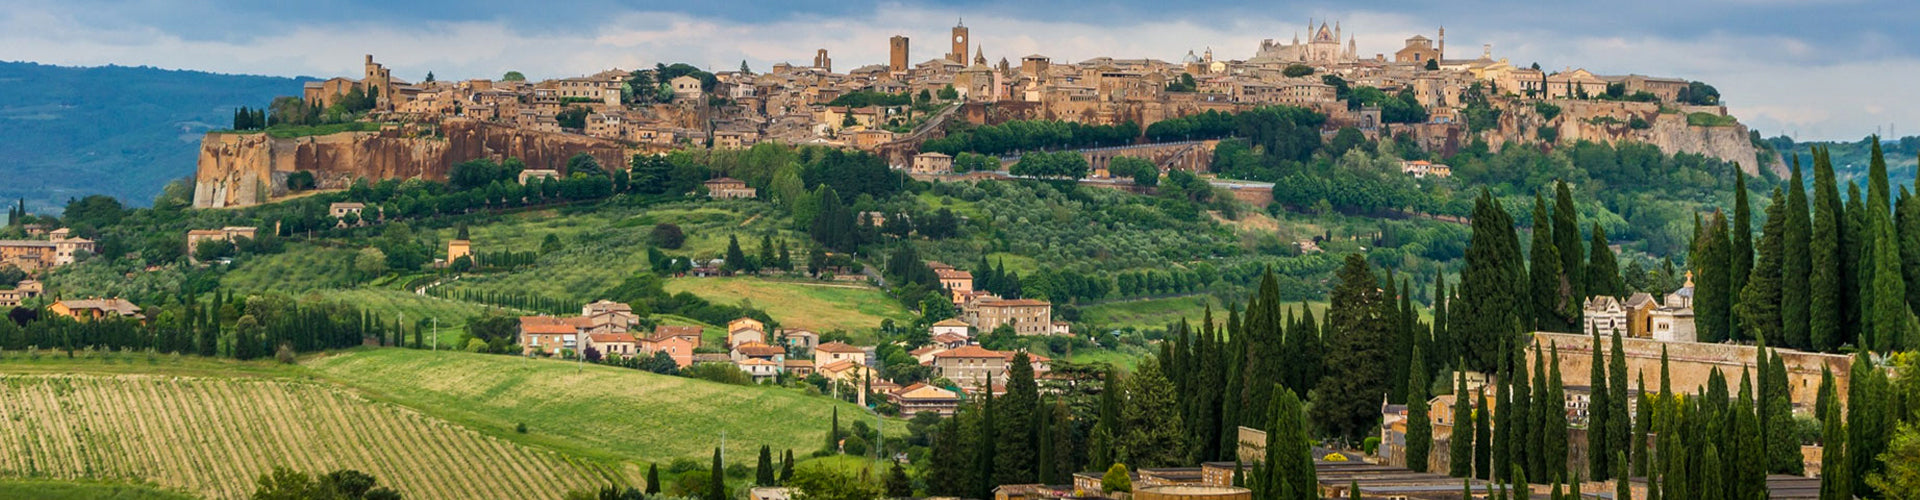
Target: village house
{"points": [[924, 355], [959, 284], [1420, 169], [533, 174], [799, 340], [949, 326], [745, 330], [59, 249], [951, 340], [96, 309], [760, 369], [612, 345], [340, 210], [727, 188], [834, 352], [606, 316], [677, 347], [1025, 316], [798, 367], [459, 248], [757, 350], [843, 371], [229, 233], [920, 397], [548, 335], [931, 163], [970, 366]]}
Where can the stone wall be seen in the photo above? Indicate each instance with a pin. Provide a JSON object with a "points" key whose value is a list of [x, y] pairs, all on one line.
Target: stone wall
{"points": [[237, 170], [1691, 364]]}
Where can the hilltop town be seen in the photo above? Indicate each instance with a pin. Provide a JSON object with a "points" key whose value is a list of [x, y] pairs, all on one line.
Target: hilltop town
{"points": [[1440, 101]]}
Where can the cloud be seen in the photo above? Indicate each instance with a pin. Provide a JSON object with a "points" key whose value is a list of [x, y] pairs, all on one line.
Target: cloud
{"points": [[1823, 80]]}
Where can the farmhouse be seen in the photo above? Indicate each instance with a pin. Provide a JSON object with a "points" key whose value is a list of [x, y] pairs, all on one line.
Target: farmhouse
{"points": [[93, 309], [548, 335], [1026, 316], [948, 326], [229, 233], [610, 345], [920, 397], [834, 352], [59, 249], [727, 188]]}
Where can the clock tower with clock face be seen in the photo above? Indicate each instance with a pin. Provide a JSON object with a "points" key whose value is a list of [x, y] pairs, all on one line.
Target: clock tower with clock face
{"points": [[960, 41]]}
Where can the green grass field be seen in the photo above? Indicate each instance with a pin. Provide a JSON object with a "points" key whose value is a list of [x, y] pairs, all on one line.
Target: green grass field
{"points": [[814, 306], [39, 489], [591, 411], [390, 304]]}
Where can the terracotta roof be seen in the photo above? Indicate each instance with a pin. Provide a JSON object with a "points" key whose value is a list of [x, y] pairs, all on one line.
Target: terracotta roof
{"points": [[840, 366], [755, 361], [971, 351], [953, 274], [926, 350], [799, 363], [603, 338], [758, 349], [1015, 303], [726, 180], [950, 322], [948, 338], [841, 347], [114, 305], [663, 331], [545, 325]]}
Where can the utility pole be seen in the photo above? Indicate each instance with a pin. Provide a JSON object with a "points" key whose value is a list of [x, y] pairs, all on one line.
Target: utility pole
{"points": [[436, 334]]}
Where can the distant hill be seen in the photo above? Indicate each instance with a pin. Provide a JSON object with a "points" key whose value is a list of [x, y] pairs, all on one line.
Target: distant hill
{"points": [[121, 131], [1851, 158]]}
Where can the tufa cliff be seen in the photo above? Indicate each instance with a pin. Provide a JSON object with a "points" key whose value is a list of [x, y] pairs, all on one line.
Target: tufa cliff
{"points": [[1610, 121], [237, 170]]}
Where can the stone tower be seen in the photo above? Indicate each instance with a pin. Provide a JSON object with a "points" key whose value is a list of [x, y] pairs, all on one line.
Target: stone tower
{"points": [[820, 60], [1442, 49], [960, 42], [897, 50]]}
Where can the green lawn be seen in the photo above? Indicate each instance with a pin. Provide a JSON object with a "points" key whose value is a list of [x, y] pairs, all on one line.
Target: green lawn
{"points": [[590, 411], [39, 489], [817, 306]]}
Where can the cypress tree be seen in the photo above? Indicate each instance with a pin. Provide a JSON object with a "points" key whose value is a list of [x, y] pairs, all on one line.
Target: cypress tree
{"points": [[1823, 278], [786, 464], [1598, 451], [948, 458], [1906, 224], [1641, 426], [1266, 352], [1783, 442], [1855, 240], [1741, 264], [1017, 459], [1520, 416], [1502, 454], [1761, 298], [985, 445], [1795, 263], [1290, 473], [1886, 315], [1618, 421], [653, 479], [763, 474], [1357, 360], [1548, 285], [1419, 429], [1100, 452], [1230, 396], [1442, 339], [1712, 277], [1713, 487], [1482, 438], [1836, 480], [1460, 445], [833, 433], [1541, 413], [1556, 431], [717, 479], [1566, 240], [1603, 269], [1043, 456], [1866, 422], [1490, 305], [1621, 487]]}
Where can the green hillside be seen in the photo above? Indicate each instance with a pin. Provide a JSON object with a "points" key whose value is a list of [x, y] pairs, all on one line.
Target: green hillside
{"points": [[115, 130], [589, 410], [38, 489]]}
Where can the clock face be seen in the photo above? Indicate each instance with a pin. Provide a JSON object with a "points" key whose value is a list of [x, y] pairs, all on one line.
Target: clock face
{"points": [[959, 39]]}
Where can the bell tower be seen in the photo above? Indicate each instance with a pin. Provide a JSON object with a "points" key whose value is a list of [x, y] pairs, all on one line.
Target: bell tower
{"points": [[960, 42]]}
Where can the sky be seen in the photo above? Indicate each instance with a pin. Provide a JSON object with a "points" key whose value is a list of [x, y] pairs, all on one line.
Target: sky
{"points": [[1811, 69]]}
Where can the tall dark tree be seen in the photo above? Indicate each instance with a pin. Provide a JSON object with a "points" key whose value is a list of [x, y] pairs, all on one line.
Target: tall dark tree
{"points": [[1566, 240], [1289, 463], [1518, 412], [1854, 240], [1712, 280], [1460, 446], [763, 473], [1100, 440], [1618, 419], [1836, 478], [1266, 353], [1419, 430], [949, 459], [716, 479], [1541, 414], [1867, 425], [1760, 298], [1443, 342], [1549, 287], [1825, 292], [1018, 460], [1358, 338], [1599, 451], [1491, 305], [1795, 264], [1741, 264], [1155, 436], [653, 479], [1603, 269], [1556, 421], [1482, 438]]}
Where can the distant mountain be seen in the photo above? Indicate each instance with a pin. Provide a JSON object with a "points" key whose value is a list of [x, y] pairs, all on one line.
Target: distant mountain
{"points": [[121, 131]]}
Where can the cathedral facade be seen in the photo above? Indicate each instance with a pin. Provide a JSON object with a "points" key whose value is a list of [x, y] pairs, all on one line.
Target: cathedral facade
{"points": [[1322, 46]]}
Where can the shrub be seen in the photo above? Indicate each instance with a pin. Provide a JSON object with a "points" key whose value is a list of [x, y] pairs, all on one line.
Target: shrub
{"points": [[1116, 479], [284, 354], [520, 427], [1371, 445]]}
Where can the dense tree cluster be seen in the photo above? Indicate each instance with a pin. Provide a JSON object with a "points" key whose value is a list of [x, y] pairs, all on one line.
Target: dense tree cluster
{"points": [[1032, 135]]}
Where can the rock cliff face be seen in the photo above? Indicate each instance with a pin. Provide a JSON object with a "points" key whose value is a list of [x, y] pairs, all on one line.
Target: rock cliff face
{"points": [[1608, 121], [237, 170]]}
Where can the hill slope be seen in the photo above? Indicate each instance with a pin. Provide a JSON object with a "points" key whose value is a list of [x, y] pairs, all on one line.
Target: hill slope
{"points": [[590, 410], [214, 435], [115, 130]]}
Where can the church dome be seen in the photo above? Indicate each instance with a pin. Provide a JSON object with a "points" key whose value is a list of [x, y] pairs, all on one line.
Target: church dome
{"points": [[1190, 58]]}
